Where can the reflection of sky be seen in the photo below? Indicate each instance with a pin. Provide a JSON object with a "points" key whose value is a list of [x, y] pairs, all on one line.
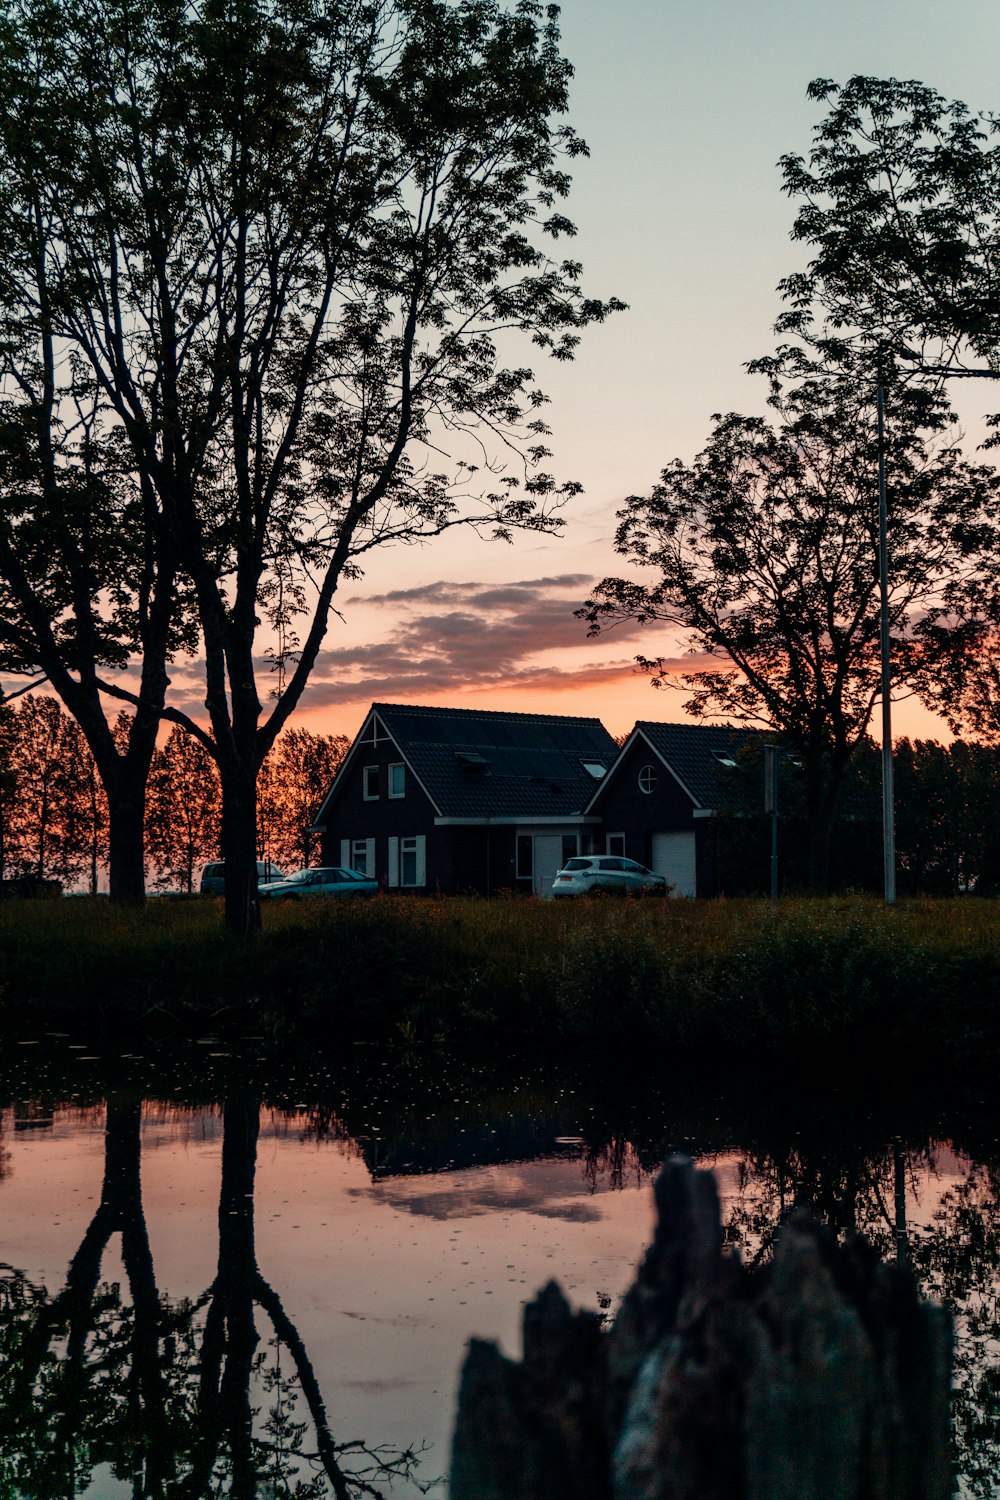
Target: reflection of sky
{"points": [[386, 1279]]}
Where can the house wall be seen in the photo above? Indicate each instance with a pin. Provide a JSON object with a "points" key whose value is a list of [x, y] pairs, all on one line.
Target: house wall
{"points": [[625, 809], [352, 817]]}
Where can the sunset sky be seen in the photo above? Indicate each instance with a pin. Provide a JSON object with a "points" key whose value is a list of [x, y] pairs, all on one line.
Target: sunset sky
{"points": [[686, 106]]}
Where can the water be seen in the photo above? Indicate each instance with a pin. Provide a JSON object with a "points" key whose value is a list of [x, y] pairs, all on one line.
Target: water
{"points": [[235, 1276]]}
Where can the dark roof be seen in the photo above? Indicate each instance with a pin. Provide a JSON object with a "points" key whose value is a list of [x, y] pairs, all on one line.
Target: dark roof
{"points": [[692, 752], [477, 763]]}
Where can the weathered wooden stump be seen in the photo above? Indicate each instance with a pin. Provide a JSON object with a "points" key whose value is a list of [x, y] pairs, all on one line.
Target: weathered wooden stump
{"points": [[822, 1376]]}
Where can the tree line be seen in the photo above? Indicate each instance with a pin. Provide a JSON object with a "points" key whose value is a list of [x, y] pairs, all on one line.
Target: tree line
{"points": [[947, 822], [54, 822]]}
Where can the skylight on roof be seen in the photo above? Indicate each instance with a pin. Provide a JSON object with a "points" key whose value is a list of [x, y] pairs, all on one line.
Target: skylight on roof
{"points": [[471, 760], [723, 758], [594, 768]]}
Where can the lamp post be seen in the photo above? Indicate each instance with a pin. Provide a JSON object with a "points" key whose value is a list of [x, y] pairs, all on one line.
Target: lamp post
{"points": [[942, 372], [888, 807], [771, 753]]}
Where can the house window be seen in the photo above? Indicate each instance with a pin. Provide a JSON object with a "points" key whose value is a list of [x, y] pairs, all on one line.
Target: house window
{"points": [[647, 778], [525, 856], [407, 862], [616, 843], [595, 768], [397, 780], [570, 842], [371, 783], [410, 872], [363, 856]]}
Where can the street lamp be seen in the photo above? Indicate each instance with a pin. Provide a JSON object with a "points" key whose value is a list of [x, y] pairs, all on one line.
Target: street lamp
{"points": [[888, 810], [944, 372]]}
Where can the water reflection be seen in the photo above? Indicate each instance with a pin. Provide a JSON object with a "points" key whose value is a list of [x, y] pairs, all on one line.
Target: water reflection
{"points": [[162, 1397], [400, 1207]]}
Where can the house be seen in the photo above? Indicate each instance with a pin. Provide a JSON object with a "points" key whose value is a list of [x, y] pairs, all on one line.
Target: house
{"points": [[657, 802], [456, 799]]}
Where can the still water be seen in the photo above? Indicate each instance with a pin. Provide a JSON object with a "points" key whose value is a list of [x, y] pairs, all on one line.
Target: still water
{"points": [[231, 1276]]}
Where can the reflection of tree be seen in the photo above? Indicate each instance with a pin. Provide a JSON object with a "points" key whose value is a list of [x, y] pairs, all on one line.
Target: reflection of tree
{"points": [[956, 1258], [169, 1397], [229, 1363]]}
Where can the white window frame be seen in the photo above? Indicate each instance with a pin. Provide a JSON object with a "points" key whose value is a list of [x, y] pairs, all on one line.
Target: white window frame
{"points": [[417, 847], [369, 796], [648, 777], [351, 854], [396, 765]]}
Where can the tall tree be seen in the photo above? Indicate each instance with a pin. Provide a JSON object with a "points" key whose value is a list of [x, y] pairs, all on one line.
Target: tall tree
{"points": [[899, 205], [285, 251], [766, 560], [294, 780], [182, 810]]}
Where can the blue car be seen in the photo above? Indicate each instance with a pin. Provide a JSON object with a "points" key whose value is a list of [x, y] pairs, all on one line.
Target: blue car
{"points": [[308, 883]]}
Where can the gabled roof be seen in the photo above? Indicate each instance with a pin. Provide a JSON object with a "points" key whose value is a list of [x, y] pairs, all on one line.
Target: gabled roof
{"points": [[694, 753], [478, 763]]}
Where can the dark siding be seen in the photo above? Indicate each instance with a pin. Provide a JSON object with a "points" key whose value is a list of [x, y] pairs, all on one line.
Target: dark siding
{"points": [[624, 808], [351, 817]]}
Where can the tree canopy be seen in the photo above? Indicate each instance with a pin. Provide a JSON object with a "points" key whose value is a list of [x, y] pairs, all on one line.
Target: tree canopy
{"points": [[899, 206]]}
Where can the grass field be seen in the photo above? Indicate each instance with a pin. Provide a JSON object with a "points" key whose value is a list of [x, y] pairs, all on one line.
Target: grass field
{"points": [[807, 981]]}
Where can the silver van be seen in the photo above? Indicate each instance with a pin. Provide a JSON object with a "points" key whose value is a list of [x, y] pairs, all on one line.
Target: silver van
{"points": [[213, 877]]}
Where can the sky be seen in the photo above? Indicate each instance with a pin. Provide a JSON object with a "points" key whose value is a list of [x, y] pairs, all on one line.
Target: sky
{"points": [[686, 106]]}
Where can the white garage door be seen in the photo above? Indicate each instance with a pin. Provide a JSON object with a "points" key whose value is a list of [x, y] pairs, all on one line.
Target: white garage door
{"points": [[674, 857]]}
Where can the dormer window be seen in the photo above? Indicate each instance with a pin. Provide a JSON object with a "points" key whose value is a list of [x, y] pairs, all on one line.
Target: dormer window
{"points": [[371, 783]]}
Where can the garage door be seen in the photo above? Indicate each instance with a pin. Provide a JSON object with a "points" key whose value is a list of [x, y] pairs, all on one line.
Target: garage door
{"points": [[674, 857]]}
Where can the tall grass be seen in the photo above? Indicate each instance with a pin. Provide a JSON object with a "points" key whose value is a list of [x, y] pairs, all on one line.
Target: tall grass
{"points": [[804, 981]]}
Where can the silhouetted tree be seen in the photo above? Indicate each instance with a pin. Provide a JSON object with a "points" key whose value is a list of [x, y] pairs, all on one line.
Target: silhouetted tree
{"points": [[280, 251], [899, 206], [765, 557], [182, 810], [293, 782]]}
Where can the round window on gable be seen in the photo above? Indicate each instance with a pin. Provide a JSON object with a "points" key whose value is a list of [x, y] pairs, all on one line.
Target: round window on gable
{"points": [[647, 778]]}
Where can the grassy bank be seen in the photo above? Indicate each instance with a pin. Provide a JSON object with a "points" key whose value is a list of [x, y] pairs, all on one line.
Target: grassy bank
{"points": [[808, 982]]}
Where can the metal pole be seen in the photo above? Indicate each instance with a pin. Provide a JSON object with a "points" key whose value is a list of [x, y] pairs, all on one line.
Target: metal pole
{"points": [[888, 815], [771, 806]]}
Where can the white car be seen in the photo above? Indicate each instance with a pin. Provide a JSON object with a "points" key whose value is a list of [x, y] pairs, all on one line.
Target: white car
{"points": [[595, 874]]}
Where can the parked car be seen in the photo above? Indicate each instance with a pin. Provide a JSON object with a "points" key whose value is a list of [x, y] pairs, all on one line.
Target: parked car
{"points": [[213, 877], [606, 874], [329, 882]]}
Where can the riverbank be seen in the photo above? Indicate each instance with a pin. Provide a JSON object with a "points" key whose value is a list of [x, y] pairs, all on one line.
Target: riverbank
{"points": [[811, 984]]}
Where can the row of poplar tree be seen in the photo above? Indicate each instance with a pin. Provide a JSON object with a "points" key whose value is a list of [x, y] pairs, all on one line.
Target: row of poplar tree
{"points": [[54, 814]]}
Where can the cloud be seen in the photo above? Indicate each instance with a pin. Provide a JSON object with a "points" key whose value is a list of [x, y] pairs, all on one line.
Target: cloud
{"points": [[466, 636], [449, 1200]]}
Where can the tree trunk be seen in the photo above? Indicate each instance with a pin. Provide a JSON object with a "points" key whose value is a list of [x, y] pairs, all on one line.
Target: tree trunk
{"points": [[239, 852], [822, 1376], [126, 845], [820, 837]]}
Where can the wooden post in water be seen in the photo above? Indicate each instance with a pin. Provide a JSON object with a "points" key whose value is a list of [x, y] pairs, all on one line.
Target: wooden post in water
{"points": [[822, 1376]]}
